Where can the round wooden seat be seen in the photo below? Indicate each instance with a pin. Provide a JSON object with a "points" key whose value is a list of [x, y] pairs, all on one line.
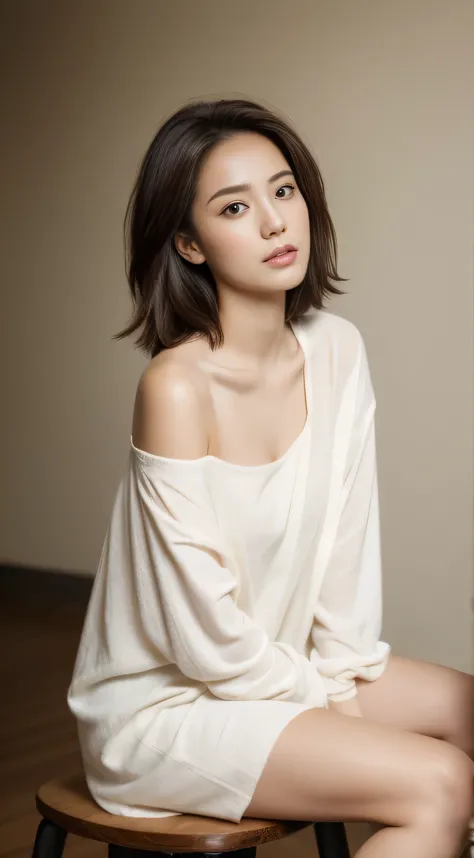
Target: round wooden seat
{"points": [[68, 804]]}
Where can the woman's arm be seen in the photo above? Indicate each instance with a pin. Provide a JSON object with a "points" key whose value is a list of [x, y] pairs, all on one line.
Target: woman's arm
{"points": [[348, 614]]}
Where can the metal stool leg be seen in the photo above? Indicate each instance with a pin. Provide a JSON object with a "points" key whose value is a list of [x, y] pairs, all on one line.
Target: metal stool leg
{"points": [[49, 841], [332, 840]]}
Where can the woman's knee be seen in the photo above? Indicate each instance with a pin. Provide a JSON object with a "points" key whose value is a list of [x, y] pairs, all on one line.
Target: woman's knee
{"points": [[443, 787]]}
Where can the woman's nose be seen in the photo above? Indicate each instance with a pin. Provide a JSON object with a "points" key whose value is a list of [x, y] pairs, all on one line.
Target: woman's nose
{"points": [[272, 229], [272, 223]]}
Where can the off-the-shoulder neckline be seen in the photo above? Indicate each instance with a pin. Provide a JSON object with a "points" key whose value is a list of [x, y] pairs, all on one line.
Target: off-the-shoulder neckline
{"points": [[162, 461]]}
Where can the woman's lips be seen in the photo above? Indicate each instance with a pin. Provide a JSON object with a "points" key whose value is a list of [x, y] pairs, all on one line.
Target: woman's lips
{"points": [[283, 259]]}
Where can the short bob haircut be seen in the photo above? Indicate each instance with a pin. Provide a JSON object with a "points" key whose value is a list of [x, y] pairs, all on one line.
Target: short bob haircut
{"points": [[173, 299]]}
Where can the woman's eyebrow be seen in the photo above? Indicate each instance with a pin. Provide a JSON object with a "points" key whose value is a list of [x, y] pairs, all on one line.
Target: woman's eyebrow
{"points": [[234, 189]]}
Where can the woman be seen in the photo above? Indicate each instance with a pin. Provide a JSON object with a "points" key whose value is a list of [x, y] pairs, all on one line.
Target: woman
{"points": [[230, 662]]}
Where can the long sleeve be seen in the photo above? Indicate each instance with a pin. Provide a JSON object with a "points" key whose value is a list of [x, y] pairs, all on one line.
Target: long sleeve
{"points": [[348, 614], [188, 597]]}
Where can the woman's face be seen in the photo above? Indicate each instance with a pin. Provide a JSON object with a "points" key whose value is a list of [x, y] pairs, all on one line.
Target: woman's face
{"points": [[247, 205]]}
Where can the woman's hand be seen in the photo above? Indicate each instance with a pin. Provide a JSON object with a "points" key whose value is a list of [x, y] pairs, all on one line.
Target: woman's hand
{"points": [[346, 707]]}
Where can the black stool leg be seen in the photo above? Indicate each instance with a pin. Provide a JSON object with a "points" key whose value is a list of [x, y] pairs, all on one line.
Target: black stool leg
{"points": [[49, 841], [332, 840]]}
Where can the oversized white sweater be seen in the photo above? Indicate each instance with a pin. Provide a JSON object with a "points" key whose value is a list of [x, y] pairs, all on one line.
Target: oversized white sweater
{"points": [[234, 583]]}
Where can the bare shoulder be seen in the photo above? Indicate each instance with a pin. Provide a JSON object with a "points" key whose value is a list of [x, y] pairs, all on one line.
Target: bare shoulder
{"points": [[172, 408]]}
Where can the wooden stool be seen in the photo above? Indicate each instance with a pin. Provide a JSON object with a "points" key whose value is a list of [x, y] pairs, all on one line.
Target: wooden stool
{"points": [[67, 807]]}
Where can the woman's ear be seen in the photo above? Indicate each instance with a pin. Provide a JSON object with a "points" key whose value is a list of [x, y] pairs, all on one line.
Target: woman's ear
{"points": [[188, 248]]}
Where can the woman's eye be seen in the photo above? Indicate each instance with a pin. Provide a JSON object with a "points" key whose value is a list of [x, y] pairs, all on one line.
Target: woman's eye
{"points": [[289, 188], [236, 208], [233, 209]]}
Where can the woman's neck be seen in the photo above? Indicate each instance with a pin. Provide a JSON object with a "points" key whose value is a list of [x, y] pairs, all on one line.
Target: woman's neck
{"points": [[255, 333]]}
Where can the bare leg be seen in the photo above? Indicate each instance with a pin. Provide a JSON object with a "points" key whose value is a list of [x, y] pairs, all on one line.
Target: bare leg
{"points": [[423, 698], [332, 767]]}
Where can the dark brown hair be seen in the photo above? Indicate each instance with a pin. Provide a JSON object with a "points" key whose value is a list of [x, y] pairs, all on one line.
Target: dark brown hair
{"points": [[174, 299]]}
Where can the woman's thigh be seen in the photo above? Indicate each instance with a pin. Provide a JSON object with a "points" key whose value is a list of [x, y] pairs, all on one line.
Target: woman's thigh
{"points": [[422, 698], [330, 766]]}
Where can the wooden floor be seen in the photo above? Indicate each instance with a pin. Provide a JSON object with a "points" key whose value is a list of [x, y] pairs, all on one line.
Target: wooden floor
{"points": [[38, 641]]}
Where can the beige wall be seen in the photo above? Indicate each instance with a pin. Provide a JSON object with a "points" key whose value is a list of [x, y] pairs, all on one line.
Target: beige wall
{"points": [[383, 93]]}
